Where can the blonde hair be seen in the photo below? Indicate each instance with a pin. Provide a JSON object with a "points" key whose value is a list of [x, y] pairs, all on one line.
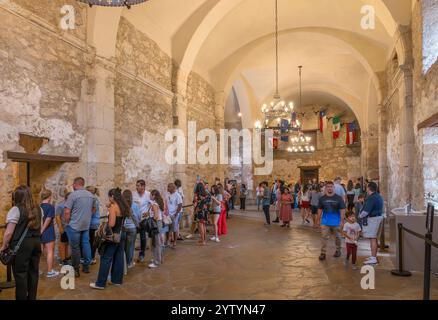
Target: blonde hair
{"points": [[45, 194], [93, 190]]}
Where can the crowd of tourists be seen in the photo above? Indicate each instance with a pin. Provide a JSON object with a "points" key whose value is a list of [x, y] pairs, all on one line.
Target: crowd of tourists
{"points": [[350, 211], [82, 229]]}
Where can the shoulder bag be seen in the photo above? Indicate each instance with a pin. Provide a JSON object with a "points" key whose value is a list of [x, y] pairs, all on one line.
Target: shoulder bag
{"points": [[7, 256]]}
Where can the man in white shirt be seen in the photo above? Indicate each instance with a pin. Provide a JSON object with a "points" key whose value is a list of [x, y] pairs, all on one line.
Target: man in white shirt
{"points": [[179, 189], [339, 189], [142, 198], [174, 206]]}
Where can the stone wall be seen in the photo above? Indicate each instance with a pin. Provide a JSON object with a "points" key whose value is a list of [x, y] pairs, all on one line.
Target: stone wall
{"points": [[41, 76], [201, 109], [40, 93], [143, 113], [425, 103], [339, 161]]}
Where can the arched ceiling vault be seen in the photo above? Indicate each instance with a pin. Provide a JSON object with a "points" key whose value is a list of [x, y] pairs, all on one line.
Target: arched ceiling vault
{"points": [[226, 39]]}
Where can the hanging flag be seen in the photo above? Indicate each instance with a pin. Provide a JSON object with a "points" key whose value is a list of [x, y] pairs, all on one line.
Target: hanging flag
{"points": [[351, 133], [322, 121], [275, 143], [336, 128], [294, 117]]}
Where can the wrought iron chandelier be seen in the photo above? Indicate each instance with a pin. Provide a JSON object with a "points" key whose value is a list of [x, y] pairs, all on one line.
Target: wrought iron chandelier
{"points": [[280, 116], [113, 3]]}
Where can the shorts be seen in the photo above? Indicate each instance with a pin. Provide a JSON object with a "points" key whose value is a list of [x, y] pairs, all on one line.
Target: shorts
{"points": [[174, 227], [64, 238], [372, 228], [314, 209], [305, 204]]}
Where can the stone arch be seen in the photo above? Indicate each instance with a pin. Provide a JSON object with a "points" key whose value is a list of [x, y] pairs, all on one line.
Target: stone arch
{"points": [[387, 10], [102, 28], [235, 61]]}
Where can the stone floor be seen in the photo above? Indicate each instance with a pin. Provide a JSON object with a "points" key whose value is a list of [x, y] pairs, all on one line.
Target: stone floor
{"points": [[252, 262]]}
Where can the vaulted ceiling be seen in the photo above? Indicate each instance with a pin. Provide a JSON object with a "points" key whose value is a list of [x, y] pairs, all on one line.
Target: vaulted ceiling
{"points": [[230, 43]]}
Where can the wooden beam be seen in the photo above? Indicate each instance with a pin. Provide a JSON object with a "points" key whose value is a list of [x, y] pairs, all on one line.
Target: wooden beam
{"points": [[429, 123], [29, 157]]}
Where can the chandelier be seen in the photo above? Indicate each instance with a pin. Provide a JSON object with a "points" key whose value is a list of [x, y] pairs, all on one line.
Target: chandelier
{"points": [[113, 3], [280, 116]]}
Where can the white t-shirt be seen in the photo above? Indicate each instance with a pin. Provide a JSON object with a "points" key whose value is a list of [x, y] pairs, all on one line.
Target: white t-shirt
{"points": [[143, 202], [173, 200], [160, 213], [352, 230], [13, 215], [339, 190]]}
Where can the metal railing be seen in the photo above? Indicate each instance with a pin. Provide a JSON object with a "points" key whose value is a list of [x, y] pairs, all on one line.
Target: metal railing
{"points": [[428, 244]]}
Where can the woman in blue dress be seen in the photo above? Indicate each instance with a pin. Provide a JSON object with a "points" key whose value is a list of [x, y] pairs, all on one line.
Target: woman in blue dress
{"points": [[48, 231]]}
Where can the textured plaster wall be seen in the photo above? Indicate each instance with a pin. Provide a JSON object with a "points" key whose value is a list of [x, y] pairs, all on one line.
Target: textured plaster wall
{"points": [[425, 102], [338, 161]]}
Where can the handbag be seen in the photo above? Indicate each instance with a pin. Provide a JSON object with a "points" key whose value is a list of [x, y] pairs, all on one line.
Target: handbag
{"points": [[167, 220], [7, 256], [106, 234]]}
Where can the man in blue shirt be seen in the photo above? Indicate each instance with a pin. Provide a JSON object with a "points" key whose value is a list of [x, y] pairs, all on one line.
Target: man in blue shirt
{"points": [[79, 208], [372, 211], [331, 213]]}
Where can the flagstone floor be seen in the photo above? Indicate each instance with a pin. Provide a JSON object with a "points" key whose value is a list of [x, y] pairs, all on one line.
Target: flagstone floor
{"points": [[252, 262]]}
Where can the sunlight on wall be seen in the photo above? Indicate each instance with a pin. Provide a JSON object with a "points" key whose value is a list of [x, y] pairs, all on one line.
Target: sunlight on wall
{"points": [[430, 33]]}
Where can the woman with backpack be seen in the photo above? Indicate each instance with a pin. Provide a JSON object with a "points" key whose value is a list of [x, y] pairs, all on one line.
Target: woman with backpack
{"points": [[113, 251], [24, 222]]}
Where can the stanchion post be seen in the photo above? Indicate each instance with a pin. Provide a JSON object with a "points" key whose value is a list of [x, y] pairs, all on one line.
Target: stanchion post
{"points": [[428, 251], [400, 272]]}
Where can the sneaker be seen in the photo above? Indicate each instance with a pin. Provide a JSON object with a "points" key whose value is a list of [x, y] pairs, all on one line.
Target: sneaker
{"points": [[141, 259], [153, 266], [114, 284], [322, 257], [81, 261], [213, 238], [93, 262], [371, 262], [94, 286], [217, 240], [354, 266], [307, 221], [337, 254], [52, 274], [189, 236], [131, 265]]}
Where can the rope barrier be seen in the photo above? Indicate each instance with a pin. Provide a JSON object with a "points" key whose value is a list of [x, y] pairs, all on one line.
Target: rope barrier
{"points": [[433, 244], [428, 244]]}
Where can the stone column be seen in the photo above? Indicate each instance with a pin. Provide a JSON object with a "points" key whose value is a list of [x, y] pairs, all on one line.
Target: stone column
{"points": [[383, 160], [99, 110], [179, 105], [407, 136], [370, 153], [219, 112]]}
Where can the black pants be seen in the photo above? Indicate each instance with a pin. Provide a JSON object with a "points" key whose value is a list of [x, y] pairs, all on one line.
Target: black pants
{"points": [[92, 246], [242, 203], [26, 269], [267, 215], [143, 242]]}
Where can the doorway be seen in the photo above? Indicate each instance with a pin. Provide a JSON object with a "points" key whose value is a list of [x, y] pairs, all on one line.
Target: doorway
{"points": [[309, 174]]}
